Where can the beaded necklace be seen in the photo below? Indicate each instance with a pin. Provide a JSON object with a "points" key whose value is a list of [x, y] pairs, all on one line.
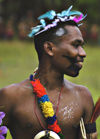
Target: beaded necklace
{"points": [[46, 106]]}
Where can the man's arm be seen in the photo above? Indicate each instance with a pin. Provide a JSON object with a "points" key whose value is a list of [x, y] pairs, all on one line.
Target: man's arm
{"points": [[88, 110], [5, 104]]}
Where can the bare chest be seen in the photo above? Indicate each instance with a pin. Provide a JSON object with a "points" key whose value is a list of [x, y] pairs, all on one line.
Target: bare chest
{"points": [[28, 116]]}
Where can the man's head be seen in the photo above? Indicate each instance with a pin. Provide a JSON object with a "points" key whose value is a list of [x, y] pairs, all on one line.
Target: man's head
{"points": [[64, 46], [60, 41]]}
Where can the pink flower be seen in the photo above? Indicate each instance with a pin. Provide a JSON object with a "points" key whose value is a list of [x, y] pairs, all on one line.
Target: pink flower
{"points": [[2, 115], [3, 130], [2, 137]]}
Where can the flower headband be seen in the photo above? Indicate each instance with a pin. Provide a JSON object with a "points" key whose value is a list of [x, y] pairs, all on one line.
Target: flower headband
{"points": [[66, 15]]}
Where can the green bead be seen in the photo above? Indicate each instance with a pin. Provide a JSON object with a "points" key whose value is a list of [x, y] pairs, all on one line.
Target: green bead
{"points": [[61, 135]]}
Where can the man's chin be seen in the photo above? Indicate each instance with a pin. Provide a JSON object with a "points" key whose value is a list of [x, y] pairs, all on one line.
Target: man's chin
{"points": [[73, 74], [73, 71]]}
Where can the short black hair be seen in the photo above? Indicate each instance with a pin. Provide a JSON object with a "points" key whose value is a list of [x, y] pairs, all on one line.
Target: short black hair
{"points": [[49, 35]]}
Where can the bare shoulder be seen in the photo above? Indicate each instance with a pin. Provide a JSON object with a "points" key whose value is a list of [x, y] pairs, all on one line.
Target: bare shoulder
{"points": [[84, 96], [81, 90], [9, 94]]}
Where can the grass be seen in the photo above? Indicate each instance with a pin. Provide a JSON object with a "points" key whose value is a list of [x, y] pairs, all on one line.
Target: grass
{"points": [[18, 60]]}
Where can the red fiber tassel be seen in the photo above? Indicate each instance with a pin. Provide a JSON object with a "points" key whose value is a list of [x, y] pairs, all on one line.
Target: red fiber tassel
{"points": [[96, 112], [38, 88], [55, 127]]}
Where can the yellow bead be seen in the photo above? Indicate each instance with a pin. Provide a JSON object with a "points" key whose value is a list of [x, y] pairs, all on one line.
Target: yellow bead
{"points": [[47, 109]]}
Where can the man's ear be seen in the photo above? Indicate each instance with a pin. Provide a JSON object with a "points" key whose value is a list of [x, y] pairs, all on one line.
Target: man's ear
{"points": [[48, 48]]}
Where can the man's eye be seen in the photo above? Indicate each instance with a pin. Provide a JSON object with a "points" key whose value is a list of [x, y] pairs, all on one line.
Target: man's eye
{"points": [[76, 45]]}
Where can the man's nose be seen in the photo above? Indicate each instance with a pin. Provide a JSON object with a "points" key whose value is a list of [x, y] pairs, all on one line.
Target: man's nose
{"points": [[81, 51]]}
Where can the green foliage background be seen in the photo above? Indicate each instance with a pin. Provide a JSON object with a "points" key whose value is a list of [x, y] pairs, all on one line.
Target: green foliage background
{"points": [[19, 8], [18, 60]]}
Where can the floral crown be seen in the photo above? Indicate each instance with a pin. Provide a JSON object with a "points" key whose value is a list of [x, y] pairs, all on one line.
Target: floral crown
{"points": [[64, 16]]}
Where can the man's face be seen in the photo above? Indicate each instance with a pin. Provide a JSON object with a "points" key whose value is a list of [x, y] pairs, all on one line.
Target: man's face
{"points": [[69, 53]]}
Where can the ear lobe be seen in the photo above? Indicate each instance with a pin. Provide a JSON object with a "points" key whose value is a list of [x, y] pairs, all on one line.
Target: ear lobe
{"points": [[48, 48]]}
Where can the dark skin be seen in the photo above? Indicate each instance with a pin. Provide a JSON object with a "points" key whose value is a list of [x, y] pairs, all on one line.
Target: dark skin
{"points": [[18, 100]]}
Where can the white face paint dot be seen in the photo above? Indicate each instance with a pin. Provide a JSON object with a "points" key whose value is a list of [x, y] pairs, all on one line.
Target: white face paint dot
{"points": [[60, 32]]}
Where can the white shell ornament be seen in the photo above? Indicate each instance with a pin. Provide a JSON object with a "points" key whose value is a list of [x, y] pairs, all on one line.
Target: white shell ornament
{"points": [[50, 134]]}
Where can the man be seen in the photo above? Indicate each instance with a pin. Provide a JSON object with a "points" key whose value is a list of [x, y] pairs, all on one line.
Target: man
{"points": [[59, 45]]}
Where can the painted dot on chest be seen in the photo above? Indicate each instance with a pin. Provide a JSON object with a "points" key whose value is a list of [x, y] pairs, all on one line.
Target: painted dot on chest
{"points": [[68, 112]]}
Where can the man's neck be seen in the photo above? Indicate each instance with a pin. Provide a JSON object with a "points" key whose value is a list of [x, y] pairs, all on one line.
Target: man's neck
{"points": [[49, 77]]}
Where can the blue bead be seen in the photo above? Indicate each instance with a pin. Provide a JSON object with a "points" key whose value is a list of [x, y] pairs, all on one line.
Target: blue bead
{"points": [[31, 77], [51, 120], [43, 99]]}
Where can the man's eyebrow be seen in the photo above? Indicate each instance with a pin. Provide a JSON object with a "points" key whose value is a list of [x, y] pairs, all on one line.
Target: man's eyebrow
{"points": [[79, 41]]}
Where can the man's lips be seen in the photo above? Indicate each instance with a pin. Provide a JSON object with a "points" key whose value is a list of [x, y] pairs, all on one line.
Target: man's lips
{"points": [[79, 64]]}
